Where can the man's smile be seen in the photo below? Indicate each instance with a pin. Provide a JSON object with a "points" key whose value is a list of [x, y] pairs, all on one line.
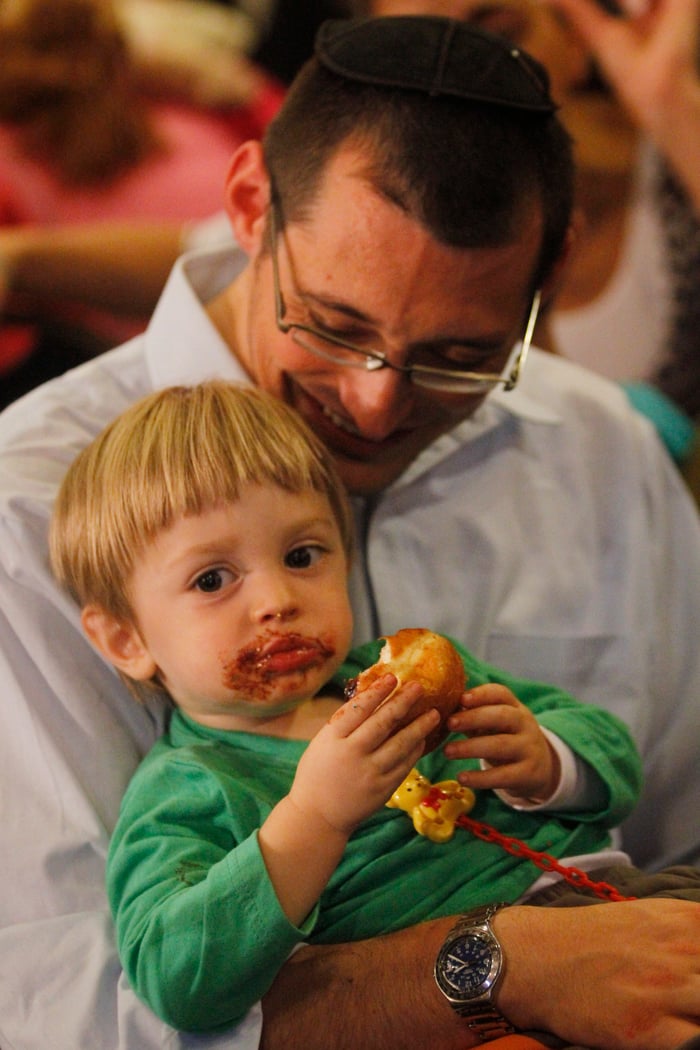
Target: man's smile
{"points": [[340, 433]]}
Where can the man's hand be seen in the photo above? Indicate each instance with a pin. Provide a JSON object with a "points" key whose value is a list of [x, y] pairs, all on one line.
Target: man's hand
{"points": [[623, 976], [649, 57]]}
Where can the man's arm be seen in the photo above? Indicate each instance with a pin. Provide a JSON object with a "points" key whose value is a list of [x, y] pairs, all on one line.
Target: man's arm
{"points": [[120, 267], [378, 994], [623, 976]]}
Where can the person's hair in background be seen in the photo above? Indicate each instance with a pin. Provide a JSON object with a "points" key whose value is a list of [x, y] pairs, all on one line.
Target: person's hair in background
{"points": [[410, 162], [679, 375], [67, 81], [98, 133]]}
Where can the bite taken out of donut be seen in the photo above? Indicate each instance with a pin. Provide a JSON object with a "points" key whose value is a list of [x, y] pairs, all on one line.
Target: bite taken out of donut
{"points": [[416, 654]]}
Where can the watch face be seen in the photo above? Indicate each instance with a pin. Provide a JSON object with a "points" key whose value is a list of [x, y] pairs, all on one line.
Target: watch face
{"points": [[469, 966]]}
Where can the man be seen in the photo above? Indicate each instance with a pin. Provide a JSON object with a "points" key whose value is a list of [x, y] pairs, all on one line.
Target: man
{"points": [[399, 242]]}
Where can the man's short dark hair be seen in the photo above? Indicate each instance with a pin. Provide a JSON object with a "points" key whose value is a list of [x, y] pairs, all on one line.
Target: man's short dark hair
{"points": [[468, 169]]}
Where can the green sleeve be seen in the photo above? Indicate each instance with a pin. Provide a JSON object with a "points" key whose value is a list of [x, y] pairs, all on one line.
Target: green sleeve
{"points": [[200, 931], [598, 737]]}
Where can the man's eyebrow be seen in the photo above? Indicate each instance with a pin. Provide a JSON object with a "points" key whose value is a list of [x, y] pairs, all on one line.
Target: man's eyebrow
{"points": [[486, 343], [337, 305]]}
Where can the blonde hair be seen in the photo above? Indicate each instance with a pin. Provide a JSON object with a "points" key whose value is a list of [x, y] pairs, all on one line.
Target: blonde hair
{"points": [[174, 453]]}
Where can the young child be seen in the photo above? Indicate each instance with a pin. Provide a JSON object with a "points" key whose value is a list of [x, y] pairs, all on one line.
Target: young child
{"points": [[207, 538]]}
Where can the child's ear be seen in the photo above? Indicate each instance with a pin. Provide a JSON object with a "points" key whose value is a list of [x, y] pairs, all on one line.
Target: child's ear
{"points": [[119, 642]]}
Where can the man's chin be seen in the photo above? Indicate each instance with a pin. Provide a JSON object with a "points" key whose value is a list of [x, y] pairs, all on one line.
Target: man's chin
{"points": [[362, 478], [365, 466]]}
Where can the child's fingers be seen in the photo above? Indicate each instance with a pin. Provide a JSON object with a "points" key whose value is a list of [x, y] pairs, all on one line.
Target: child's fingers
{"points": [[377, 714], [400, 751], [484, 695], [495, 748], [483, 721], [389, 717], [502, 777], [359, 707]]}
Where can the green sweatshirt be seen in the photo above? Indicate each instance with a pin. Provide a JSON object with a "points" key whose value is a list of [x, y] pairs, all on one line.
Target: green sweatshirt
{"points": [[200, 930]]}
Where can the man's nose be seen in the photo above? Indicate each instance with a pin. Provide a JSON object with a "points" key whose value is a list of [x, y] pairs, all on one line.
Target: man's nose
{"points": [[379, 401]]}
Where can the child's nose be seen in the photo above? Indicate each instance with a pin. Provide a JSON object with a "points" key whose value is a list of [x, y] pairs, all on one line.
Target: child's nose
{"points": [[279, 616], [276, 603]]}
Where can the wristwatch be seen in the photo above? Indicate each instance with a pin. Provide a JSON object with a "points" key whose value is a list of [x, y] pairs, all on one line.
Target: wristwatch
{"points": [[467, 970]]}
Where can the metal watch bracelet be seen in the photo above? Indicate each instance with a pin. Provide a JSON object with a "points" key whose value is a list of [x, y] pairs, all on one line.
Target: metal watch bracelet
{"points": [[480, 1015]]}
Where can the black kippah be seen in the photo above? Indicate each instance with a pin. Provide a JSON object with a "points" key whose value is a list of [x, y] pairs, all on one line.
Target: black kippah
{"points": [[436, 56]]}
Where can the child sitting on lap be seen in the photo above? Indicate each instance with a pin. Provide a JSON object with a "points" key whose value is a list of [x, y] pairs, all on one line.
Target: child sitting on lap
{"points": [[207, 538]]}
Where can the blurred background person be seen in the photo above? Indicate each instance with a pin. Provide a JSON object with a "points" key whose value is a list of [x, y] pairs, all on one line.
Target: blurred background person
{"points": [[650, 56], [83, 141]]}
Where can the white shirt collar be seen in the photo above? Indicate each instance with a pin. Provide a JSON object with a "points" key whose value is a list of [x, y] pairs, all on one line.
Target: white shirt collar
{"points": [[196, 351]]}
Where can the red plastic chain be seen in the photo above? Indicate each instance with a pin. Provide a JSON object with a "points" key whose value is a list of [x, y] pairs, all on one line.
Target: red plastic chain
{"points": [[545, 861]]}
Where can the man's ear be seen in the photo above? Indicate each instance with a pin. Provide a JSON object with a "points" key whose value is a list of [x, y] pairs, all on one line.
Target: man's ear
{"points": [[119, 642], [558, 272], [247, 196], [543, 337]]}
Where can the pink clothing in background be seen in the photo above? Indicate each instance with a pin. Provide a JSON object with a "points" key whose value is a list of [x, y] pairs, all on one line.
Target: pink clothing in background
{"points": [[184, 181]]}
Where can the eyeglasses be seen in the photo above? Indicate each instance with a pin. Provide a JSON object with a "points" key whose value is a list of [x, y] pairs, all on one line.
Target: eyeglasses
{"points": [[331, 348]]}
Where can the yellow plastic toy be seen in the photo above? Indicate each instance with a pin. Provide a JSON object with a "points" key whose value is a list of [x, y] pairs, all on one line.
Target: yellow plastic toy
{"points": [[434, 808]]}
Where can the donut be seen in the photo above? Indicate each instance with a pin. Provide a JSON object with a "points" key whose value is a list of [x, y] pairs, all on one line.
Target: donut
{"points": [[416, 654]]}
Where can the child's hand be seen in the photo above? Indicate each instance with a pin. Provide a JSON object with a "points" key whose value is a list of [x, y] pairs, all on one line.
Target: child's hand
{"points": [[504, 733], [355, 762]]}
